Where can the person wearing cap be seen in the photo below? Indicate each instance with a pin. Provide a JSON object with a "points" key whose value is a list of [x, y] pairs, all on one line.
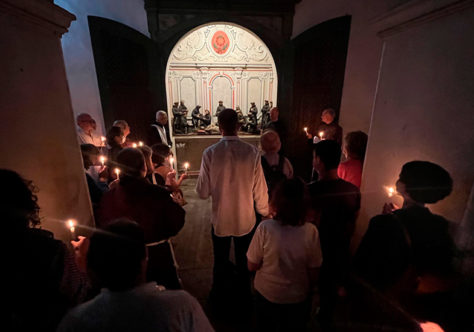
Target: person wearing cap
{"points": [[265, 114]]}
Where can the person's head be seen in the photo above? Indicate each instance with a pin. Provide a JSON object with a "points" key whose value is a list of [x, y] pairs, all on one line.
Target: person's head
{"points": [[252, 103], [220, 102], [228, 122], [270, 142], [115, 136], [274, 112], [266, 102], [289, 202], [207, 112], [90, 154], [355, 144], [175, 103], [182, 102], [18, 203], [124, 125], [326, 156], [131, 163], [85, 122], [147, 153], [161, 117], [328, 115], [198, 106], [160, 152], [424, 182], [117, 256]]}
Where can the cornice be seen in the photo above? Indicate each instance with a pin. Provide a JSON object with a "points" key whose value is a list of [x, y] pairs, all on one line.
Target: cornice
{"points": [[44, 14], [415, 13]]}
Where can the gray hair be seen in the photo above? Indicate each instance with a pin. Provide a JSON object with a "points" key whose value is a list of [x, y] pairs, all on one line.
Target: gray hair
{"points": [[161, 113], [121, 123], [330, 111]]}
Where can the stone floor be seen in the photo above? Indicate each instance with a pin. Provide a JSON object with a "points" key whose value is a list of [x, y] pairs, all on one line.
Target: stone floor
{"points": [[193, 250]]}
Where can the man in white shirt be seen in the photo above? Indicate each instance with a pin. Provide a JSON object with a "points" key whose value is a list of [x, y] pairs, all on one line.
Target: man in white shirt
{"points": [[85, 130], [117, 259], [231, 173]]}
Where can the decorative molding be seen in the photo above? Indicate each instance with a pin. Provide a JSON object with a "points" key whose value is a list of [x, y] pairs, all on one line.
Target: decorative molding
{"points": [[239, 47], [415, 13], [40, 13]]}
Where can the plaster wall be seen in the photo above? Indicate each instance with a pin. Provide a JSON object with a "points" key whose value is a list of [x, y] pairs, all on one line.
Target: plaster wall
{"points": [[424, 109], [37, 133], [363, 54], [77, 48]]}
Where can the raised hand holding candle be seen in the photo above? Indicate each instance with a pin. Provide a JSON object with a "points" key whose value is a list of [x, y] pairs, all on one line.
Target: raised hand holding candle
{"points": [[117, 172]]}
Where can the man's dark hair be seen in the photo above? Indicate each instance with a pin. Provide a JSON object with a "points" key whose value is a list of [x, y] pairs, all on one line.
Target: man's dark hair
{"points": [[18, 202], [290, 200], [329, 152], [131, 162], [228, 120], [160, 152], [356, 143], [116, 253], [112, 133], [88, 150], [425, 181]]}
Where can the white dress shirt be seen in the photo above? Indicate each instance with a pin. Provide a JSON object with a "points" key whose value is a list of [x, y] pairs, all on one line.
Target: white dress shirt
{"points": [[231, 173]]}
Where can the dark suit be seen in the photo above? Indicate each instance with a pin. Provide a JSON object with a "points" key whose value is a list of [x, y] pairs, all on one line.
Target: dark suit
{"points": [[154, 136]]}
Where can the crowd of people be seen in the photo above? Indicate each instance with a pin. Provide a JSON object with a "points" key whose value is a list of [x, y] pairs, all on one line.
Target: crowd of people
{"points": [[291, 240]]}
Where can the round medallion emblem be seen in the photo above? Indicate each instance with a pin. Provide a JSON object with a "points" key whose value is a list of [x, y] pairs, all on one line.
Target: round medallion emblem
{"points": [[220, 42]]}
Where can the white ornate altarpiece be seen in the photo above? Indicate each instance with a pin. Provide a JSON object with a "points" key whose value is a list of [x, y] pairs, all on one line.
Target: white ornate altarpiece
{"points": [[220, 61]]}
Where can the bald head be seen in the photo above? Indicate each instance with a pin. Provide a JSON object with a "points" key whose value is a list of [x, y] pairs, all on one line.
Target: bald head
{"points": [[85, 122], [161, 117]]}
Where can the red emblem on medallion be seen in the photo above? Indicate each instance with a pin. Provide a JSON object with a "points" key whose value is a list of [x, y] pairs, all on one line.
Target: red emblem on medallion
{"points": [[220, 42]]}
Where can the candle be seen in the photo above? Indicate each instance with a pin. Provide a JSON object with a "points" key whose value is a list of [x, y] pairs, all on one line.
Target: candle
{"points": [[103, 139], [390, 191], [171, 162], [102, 159], [117, 172], [71, 224], [140, 143], [186, 166], [321, 135], [134, 145], [306, 130]]}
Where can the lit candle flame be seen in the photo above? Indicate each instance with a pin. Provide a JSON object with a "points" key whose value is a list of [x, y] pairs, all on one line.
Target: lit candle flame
{"points": [[102, 159], [71, 223], [390, 191], [117, 171], [321, 134], [134, 145], [186, 166], [140, 143], [171, 162], [103, 139], [305, 130]]}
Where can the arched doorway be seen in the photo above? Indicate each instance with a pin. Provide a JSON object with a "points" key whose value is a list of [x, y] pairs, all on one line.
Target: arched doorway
{"points": [[221, 61]]}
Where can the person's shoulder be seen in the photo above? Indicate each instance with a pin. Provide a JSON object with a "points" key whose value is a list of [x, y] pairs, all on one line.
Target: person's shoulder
{"points": [[347, 186], [76, 319], [177, 299]]}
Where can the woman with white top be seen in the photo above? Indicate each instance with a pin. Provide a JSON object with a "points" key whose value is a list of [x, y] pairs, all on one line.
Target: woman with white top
{"points": [[286, 254]]}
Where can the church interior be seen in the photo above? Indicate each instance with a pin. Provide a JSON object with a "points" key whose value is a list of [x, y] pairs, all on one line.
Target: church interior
{"points": [[400, 71]]}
